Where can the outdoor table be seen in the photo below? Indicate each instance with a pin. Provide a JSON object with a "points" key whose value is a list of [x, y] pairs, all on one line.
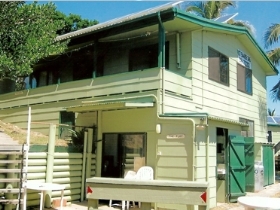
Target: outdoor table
{"points": [[258, 202], [43, 187]]}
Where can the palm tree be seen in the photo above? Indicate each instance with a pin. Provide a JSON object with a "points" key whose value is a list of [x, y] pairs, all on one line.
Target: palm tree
{"points": [[209, 9], [215, 9], [271, 112], [271, 37]]}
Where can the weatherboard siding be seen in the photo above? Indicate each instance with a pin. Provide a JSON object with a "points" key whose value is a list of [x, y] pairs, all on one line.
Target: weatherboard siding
{"points": [[221, 100]]}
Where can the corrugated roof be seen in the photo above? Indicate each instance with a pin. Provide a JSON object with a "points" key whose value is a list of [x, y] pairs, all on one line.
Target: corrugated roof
{"points": [[209, 117], [221, 119], [118, 20]]}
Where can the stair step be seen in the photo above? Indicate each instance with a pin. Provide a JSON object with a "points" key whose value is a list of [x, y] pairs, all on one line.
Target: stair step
{"points": [[11, 147], [10, 152], [11, 201], [9, 180], [13, 190], [10, 161], [12, 170]]}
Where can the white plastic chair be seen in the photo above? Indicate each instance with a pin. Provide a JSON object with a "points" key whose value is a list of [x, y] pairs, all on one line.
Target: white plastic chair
{"points": [[128, 175], [145, 173]]}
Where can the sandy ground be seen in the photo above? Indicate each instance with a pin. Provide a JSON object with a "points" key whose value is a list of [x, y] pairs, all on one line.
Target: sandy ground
{"points": [[269, 191]]}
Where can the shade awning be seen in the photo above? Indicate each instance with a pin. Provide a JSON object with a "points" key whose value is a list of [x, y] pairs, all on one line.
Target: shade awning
{"points": [[88, 106]]}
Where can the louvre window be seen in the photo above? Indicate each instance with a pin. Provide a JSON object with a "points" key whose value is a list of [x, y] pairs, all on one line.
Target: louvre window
{"points": [[218, 67], [244, 79]]}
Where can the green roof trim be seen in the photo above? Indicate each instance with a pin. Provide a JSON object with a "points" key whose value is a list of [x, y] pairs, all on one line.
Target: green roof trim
{"points": [[221, 26], [273, 125]]}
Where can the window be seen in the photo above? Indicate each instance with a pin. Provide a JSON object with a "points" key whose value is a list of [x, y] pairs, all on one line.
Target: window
{"points": [[218, 67], [244, 79], [250, 131], [67, 118], [269, 136], [146, 57]]}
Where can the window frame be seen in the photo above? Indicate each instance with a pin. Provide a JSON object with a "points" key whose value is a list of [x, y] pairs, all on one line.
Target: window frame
{"points": [[140, 59], [216, 74], [251, 125], [243, 86]]}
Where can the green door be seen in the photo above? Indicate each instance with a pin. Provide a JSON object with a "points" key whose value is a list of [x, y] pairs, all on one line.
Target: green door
{"points": [[268, 164], [236, 167], [249, 162]]}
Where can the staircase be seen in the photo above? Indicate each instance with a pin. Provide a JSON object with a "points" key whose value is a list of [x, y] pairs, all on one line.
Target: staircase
{"points": [[13, 176]]}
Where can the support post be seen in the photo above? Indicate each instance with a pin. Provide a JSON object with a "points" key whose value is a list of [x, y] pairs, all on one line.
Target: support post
{"points": [[50, 163], [89, 152], [84, 165]]}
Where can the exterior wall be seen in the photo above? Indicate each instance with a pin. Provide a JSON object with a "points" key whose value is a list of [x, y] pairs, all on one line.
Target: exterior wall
{"points": [[275, 130], [133, 120], [220, 100], [116, 61]]}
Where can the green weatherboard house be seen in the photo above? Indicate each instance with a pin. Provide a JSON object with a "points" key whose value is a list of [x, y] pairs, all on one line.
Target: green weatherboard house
{"points": [[186, 94]]}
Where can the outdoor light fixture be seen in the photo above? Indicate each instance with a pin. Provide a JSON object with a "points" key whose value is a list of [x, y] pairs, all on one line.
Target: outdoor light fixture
{"points": [[201, 125], [158, 128]]}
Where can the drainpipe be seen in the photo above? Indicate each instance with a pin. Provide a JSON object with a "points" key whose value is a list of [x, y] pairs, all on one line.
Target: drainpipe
{"points": [[94, 59], [161, 59]]}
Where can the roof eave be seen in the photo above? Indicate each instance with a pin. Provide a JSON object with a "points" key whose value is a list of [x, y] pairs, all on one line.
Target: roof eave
{"points": [[203, 22]]}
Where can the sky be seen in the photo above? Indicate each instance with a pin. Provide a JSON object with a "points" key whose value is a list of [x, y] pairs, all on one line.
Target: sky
{"points": [[260, 14]]}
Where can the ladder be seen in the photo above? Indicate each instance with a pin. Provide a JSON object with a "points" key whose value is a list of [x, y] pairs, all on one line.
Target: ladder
{"points": [[13, 176]]}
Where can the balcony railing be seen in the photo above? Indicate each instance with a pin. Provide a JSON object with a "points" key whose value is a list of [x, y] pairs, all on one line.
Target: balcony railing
{"points": [[117, 84]]}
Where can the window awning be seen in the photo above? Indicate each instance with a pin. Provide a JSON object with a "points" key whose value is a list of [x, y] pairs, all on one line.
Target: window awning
{"points": [[225, 120], [88, 106]]}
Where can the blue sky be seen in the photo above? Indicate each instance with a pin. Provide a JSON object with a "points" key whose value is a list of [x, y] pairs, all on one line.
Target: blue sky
{"points": [[261, 14]]}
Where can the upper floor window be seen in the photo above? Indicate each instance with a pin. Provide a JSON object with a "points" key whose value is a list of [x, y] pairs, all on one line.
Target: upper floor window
{"points": [[145, 57], [244, 79], [250, 131], [218, 67]]}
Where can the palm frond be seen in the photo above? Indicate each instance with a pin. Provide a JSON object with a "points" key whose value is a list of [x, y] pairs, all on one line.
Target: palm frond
{"points": [[275, 92], [209, 9], [274, 56], [271, 112], [271, 35], [196, 10], [242, 23]]}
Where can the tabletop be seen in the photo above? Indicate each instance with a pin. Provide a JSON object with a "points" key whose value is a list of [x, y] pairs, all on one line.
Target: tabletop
{"points": [[260, 202], [44, 186]]}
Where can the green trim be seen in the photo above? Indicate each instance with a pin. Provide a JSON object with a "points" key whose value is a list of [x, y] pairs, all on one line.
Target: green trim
{"points": [[203, 22], [166, 15], [273, 125]]}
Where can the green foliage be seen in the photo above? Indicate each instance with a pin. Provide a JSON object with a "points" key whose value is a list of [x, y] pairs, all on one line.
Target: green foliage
{"points": [[27, 34], [215, 9], [77, 138], [271, 112], [73, 22], [209, 9]]}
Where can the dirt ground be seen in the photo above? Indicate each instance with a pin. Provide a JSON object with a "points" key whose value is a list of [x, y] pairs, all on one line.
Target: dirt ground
{"points": [[20, 135]]}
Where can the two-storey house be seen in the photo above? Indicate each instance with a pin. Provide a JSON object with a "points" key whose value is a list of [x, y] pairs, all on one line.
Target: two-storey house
{"points": [[183, 92]]}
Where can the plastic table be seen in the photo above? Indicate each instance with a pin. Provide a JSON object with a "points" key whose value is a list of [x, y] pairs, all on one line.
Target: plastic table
{"points": [[43, 187], [258, 202]]}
